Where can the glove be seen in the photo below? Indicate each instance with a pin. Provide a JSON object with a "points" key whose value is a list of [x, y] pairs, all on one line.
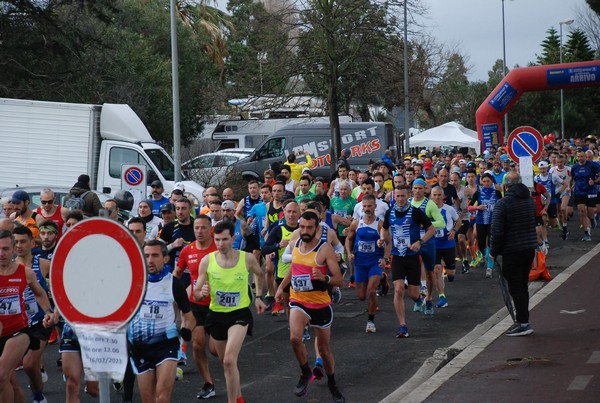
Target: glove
{"points": [[186, 334]]}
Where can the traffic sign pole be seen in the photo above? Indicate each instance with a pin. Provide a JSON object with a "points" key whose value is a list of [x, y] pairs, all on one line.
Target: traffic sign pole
{"points": [[98, 282]]}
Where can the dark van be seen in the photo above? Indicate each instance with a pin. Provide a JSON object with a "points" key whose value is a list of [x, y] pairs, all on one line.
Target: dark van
{"points": [[366, 141]]}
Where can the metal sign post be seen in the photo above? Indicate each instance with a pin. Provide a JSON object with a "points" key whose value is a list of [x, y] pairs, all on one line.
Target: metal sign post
{"points": [[98, 281]]}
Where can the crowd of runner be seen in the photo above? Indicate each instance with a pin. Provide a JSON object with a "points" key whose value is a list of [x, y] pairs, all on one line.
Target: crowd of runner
{"points": [[289, 246]]}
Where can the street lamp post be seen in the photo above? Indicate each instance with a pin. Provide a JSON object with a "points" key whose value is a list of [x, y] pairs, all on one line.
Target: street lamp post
{"points": [[406, 112], [262, 58], [568, 21]]}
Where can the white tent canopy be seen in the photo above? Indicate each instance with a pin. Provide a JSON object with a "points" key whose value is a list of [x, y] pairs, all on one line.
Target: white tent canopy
{"points": [[449, 134]]}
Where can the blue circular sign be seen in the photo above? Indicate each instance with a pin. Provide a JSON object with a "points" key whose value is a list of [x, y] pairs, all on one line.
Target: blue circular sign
{"points": [[133, 176]]}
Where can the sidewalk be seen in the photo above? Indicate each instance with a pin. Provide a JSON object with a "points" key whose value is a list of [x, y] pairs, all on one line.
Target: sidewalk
{"points": [[559, 362]]}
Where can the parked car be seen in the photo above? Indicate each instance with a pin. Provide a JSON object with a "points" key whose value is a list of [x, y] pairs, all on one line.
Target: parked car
{"points": [[34, 194], [210, 169]]}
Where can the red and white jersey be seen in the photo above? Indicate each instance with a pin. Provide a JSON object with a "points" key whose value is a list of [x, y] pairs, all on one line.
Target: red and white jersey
{"points": [[564, 174], [13, 314]]}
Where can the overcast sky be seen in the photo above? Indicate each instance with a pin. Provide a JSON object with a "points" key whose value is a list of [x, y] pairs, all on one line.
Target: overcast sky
{"points": [[475, 27]]}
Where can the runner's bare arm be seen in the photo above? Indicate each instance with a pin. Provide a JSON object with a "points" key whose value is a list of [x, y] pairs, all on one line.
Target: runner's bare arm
{"points": [[202, 289]]}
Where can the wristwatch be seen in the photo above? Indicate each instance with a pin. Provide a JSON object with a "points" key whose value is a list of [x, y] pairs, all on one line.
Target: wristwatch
{"points": [[420, 241], [327, 279]]}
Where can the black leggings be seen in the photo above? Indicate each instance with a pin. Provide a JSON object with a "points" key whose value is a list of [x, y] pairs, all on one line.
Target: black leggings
{"points": [[483, 234]]}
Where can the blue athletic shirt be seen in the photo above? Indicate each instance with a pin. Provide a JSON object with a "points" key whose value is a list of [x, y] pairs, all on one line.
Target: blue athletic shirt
{"points": [[366, 251], [581, 175], [258, 211], [34, 312], [405, 228], [485, 197]]}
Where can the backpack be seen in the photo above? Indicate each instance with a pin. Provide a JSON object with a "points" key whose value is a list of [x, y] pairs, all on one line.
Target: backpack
{"points": [[76, 202]]}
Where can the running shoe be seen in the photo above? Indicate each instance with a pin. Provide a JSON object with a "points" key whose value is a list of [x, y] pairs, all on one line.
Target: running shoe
{"points": [[384, 283], [182, 359], [269, 301], [428, 307], [118, 386], [351, 284], [473, 263], [41, 401], [336, 295], [53, 339], [337, 396], [371, 327], [44, 375], [207, 391], [302, 386], [466, 267], [179, 374], [318, 371], [277, 309], [402, 332], [586, 238], [418, 307], [442, 302], [519, 329], [488, 272], [479, 256], [306, 335]]}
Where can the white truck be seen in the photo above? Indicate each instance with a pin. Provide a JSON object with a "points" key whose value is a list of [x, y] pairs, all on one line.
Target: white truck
{"points": [[52, 143]]}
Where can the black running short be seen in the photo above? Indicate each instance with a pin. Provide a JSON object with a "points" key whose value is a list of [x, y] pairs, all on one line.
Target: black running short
{"points": [[218, 323], [40, 332], [448, 255], [406, 267], [200, 312], [320, 317], [34, 343], [146, 358]]}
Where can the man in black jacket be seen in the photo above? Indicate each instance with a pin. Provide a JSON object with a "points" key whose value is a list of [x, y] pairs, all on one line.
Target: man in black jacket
{"points": [[513, 237]]}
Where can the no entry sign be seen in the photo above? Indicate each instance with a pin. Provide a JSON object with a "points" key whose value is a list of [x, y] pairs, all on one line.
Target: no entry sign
{"points": [[98, 274], [525, 141]]}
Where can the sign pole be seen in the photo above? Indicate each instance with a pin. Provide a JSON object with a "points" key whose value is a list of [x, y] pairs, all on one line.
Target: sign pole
{"points": [[98, 281]]}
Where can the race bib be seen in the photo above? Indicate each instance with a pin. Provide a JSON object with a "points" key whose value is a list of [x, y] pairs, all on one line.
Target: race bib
{"points": [[341, 213], [439, 232], [10, 305], [302, 283], [32, 309], [366, 247], [401, 243], [228, 299], [153, 309], [592, 196]]}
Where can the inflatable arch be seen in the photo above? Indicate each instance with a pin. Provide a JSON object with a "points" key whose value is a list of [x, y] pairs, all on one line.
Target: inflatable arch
{"points": [[526, 79]]}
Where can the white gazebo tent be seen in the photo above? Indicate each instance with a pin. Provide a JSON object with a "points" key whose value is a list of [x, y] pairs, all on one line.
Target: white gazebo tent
{"points": [[449, 134]]}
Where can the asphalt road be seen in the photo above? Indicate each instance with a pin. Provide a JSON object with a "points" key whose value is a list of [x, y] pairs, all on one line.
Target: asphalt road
{"points": [[368, 366]]}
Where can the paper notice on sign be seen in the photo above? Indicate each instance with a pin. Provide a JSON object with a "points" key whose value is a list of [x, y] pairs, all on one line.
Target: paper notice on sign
{"points": [[103, 352], [526, 171]]}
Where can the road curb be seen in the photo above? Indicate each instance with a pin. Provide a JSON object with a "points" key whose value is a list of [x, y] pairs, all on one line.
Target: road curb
{"points": [[446, 362]]}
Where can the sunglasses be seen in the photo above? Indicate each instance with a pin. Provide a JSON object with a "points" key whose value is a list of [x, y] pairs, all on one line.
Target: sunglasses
{"points": [[46, 201]]}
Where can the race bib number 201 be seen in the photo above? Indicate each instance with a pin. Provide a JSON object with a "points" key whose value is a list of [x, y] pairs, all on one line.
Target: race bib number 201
{"points": [[228, 299]]}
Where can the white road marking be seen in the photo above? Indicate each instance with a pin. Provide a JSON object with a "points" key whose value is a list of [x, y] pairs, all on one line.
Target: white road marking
{"points": [[594, 358], [580, 382]]}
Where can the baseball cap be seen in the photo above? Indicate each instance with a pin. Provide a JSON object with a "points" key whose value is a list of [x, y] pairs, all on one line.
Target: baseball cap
{"points": [[167, 207], [19, 196], [180, 186], [157, 183], [543, 164], [471, 164], [504, 158], [456, 170], [227, 205], [306, 171], [428, 165], [419, 161], [462, 161]]}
